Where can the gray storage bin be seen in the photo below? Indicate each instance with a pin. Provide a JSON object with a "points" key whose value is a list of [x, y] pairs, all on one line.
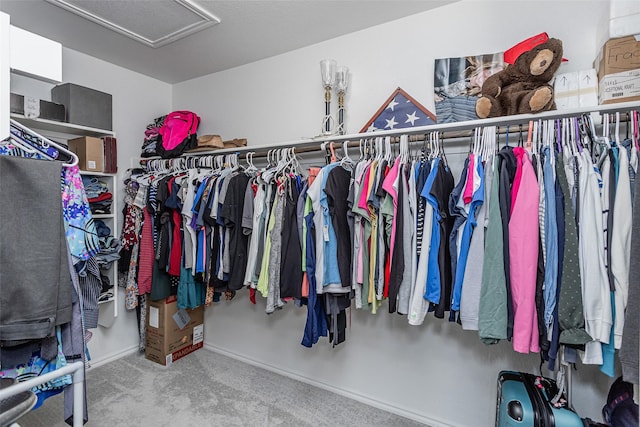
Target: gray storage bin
{"points": [[85, 106]]}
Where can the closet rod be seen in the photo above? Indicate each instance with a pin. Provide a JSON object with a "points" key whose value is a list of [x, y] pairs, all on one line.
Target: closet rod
{"points": [[494, 121], [443, 127]]}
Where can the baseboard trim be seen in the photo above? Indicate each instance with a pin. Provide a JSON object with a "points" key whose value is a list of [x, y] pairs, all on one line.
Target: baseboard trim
{"points": [[343, 392], [115, 356]]}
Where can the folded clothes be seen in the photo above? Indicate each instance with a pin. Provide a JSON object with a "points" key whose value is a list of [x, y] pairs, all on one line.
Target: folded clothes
{"points": [[101, 197], [102, 229], [93, 184], [101, 211]]}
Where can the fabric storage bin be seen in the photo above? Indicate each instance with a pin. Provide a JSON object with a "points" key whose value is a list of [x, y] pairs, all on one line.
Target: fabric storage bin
{"points": [[85, 106]]}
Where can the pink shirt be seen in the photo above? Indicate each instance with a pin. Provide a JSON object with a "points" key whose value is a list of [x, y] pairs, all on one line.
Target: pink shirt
{"points": [[467, 196], [362, 203], [523, 256], [390, 186], [519, 153]]}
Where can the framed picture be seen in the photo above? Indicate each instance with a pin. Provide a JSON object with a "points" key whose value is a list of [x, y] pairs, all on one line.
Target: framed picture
{"points": [[458, 82]]}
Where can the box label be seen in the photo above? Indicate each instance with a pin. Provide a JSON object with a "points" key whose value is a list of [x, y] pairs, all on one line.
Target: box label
{"points": [[154, 317], [620, 85], [198, 334], [185, 351], [31, 107], [181, 318]]}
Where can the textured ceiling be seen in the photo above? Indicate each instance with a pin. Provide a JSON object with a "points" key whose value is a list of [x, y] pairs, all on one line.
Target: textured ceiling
{"points": [[248, 31]]}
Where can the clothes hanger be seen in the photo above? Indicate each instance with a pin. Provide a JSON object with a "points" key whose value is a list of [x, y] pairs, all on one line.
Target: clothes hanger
{"points": [[570, 137], [28, 140], [473, 145], [635, 132], [333, 153], [617, 128], [530, 129], [520, 139], [442, 154], [403, 149], [379, 150], [345, 154], [248, 158], [66, 151], [24, 148], [578, 135], [434, 148], [627, 127], [506, 143]]}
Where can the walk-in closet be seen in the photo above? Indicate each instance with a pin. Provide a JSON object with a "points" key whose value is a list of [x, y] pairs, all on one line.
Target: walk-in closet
{"points": [[336, 237]]}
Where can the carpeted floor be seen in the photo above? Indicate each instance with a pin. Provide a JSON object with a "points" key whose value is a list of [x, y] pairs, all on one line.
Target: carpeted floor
{"points": [[207, 389]]}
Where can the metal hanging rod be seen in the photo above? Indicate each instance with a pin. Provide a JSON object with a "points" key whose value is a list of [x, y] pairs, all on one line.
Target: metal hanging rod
{"points": [[450, 130]]}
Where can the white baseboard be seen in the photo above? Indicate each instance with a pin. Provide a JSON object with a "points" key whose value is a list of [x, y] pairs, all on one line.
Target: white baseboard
{"points": [[346, 393], [94, 363]]}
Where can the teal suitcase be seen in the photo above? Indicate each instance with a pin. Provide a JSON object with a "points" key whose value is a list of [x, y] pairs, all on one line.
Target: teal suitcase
{"points": [[523, 401]]}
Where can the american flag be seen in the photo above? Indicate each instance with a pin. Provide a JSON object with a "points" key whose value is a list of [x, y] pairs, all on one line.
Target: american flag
{"points": [[399, 111]]}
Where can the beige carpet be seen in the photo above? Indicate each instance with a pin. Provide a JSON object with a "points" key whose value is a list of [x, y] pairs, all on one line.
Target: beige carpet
{"points": [[207, 389]]}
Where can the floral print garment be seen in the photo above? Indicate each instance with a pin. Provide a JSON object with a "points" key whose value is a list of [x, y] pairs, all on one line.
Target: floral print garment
{"points": [[80, 229]]}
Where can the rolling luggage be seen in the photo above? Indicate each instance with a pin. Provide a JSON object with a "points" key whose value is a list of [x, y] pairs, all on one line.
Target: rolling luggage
{"points": [[524, 401]]}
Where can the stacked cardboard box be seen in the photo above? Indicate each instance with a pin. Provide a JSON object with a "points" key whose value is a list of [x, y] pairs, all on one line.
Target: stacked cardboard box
{"points": [[576, 89], [618, 66]]}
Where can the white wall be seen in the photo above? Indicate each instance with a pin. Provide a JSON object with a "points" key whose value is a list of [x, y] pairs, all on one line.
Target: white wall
{"points": [[436, 373], [137, 99], [282, 99]]}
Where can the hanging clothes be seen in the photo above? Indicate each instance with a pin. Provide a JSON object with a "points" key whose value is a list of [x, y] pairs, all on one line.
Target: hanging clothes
{"points": [[316, 323], [494, 295], [629, 349], [418, 305], [232, 210], [337, 191], [391, 184], [595, 286], [508, 167], [473, 199], [570, 311], [472, 282], [29, 310], [439, 278], [523, 254]]}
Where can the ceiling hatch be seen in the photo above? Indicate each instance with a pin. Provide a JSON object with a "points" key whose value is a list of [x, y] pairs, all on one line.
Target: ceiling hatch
{"points": [[154, 23]]}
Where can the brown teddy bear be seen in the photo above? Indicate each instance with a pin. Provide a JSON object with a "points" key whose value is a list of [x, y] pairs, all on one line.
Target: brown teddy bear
{"points": [[523, 86]]}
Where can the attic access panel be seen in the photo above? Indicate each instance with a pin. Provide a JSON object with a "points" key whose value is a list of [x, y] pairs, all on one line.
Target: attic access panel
{"points": [[154, 23]]}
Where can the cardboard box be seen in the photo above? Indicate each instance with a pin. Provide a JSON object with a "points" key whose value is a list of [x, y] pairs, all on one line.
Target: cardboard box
{"points": [[85, 106], [172, 333], [90, 153], [37, 108], [618, 66], [623, 20], [576, 89]]}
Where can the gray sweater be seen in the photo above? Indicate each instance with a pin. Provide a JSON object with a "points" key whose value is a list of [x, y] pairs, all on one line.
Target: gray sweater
{"points": [[629, 350]]}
